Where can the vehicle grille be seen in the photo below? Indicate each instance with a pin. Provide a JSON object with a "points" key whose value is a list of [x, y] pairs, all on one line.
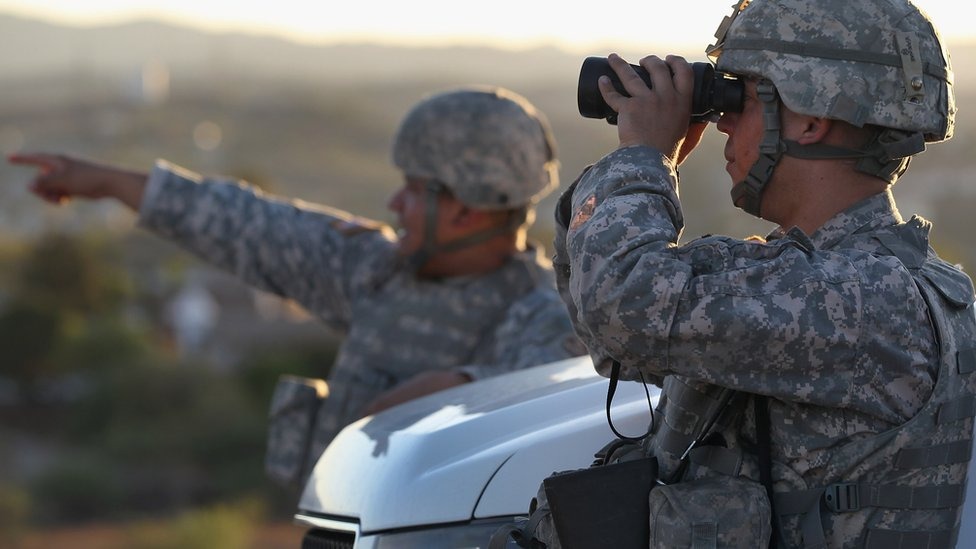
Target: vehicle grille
{"points": [[328, 539]]}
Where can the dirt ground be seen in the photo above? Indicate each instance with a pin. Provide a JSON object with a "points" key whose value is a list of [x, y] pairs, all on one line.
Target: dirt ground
{"points": [[284, 535]]}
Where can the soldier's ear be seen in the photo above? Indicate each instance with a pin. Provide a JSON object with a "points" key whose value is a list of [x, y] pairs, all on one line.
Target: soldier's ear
{"points": [[477, 219], [813, 129], [457, 214]]}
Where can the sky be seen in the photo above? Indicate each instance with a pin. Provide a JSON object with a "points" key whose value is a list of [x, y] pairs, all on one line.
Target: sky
{"points": [[500, 23]]}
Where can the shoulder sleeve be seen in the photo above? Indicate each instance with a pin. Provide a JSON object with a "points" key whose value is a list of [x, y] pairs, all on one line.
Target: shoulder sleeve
{"points": [[535, 331], [718, 309], [625, 202], [315, 255]]}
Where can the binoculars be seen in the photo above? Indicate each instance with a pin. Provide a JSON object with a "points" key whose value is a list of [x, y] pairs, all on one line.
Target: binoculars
{"points": [[715, 92]]}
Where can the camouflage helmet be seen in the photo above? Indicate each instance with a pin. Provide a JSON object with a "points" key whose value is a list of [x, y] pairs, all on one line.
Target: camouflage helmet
{"points": [[877, 62], [489, 146]]}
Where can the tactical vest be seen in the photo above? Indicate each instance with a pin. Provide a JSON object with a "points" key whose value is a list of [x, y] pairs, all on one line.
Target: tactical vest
{"points": [[897, 489]]}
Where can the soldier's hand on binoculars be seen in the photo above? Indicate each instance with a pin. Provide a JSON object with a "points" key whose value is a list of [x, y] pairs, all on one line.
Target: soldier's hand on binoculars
{"points": [[655, 116]]}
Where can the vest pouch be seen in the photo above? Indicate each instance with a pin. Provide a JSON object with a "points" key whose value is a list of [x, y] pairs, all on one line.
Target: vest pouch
{"points": [[710, 513], [602, 506], [291, 424]]}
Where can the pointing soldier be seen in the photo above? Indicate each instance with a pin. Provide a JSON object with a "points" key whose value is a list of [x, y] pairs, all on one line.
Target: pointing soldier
{"points": [[846, 343], [458, 295]]}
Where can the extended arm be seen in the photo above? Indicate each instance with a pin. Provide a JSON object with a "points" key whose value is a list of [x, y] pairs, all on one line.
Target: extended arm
{"points": [[60, 177]]}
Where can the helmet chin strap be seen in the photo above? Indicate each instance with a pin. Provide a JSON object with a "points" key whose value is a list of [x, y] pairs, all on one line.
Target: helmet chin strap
{"points": [[747, 194], [427, 248], [430, 247], [887, 156]]}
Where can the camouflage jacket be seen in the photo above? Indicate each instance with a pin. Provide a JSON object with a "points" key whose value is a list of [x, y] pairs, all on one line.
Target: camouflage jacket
{"points": [[831, 327], [345, 270]]}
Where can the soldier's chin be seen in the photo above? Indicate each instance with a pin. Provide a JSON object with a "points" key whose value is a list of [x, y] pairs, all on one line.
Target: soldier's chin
{"points": [[403, 245], [401, 237]]}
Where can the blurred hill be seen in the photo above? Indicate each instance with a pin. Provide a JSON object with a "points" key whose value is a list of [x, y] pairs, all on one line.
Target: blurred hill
{"points": [[315, 121], [116, 49]]}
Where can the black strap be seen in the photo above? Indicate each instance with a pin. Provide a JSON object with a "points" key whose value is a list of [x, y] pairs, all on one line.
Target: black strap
{"points": [[521, 532], [612, 388], [764, 456], [845, 497]]}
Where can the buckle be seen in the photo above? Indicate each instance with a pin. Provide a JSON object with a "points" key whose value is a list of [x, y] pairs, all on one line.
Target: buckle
{"points": [[841, 498]]}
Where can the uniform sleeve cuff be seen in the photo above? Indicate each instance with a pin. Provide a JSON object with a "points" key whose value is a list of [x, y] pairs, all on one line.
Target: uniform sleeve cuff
{"points": [[163, 172]]}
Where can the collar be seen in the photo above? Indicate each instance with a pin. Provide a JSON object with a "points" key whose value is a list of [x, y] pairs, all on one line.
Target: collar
{"points": [[871, 213]]}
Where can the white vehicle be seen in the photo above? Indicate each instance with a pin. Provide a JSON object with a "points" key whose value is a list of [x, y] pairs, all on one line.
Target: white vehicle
{"points": [[449, 469]]}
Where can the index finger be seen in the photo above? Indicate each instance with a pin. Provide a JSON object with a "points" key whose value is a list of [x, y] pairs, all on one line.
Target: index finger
{"points": [[632, 83], [46, 162], [682, 74]]}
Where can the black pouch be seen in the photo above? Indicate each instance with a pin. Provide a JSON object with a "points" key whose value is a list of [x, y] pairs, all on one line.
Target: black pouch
{"points": [[603, 506]]}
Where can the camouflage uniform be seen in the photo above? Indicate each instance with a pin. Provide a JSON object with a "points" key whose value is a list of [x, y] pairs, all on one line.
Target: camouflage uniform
{"points": [[345, 271], [858, 336], [830, 326], [489, 149]]}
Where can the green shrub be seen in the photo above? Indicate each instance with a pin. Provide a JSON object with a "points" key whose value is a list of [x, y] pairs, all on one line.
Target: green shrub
{"points": [[78, 489]]}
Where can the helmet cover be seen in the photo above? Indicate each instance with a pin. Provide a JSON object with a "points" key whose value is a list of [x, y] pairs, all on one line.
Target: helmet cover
{"points": [[879, 62], [489, 146]]}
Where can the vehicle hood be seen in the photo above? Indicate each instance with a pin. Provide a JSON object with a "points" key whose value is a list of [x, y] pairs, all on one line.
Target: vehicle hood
{"points": [[473, 451]]}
